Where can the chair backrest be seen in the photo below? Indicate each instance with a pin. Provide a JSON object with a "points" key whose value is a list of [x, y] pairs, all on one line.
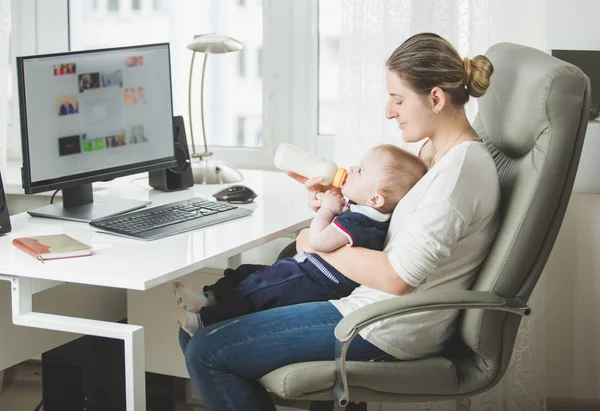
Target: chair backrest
{"points": [[533, 120]]}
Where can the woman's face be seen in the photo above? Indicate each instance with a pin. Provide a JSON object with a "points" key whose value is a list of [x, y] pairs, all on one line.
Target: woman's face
{"points": [[413, 112]]}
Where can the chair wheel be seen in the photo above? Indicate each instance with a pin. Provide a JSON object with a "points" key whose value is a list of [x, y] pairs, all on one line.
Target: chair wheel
{"points": [[329, 406]]}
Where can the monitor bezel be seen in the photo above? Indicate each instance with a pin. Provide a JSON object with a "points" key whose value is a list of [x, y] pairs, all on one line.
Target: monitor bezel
{"points": [[91, 176]]}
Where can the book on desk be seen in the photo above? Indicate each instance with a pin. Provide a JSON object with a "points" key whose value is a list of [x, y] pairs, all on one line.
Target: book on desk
{"points": [[52, 247]]}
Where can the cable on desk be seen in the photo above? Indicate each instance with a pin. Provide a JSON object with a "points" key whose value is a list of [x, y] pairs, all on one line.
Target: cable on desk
{"points": [[52, 198], [39, 407]]}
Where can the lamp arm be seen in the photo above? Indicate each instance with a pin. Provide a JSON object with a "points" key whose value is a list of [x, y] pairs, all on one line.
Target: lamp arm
{"points": [[190, 105], [202, 104]]}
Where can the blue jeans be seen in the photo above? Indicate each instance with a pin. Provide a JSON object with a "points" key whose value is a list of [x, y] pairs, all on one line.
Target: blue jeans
{"points": [[225, 360]]}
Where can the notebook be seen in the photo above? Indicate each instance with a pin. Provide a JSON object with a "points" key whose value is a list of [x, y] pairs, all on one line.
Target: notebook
{"points": [[52, 247]]}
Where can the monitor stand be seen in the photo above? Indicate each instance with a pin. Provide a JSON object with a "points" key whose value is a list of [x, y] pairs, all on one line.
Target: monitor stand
{"points": [[79, 204]]}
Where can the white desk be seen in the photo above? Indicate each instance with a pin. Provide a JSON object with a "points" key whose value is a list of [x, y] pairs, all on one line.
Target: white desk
{"points": [[136, 265]]}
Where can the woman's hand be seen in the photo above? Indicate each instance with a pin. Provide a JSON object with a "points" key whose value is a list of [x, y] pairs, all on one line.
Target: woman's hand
{"points": [[313, 187]]}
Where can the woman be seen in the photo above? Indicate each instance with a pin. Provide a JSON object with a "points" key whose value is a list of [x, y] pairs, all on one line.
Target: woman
{"points": [[439, 235]]}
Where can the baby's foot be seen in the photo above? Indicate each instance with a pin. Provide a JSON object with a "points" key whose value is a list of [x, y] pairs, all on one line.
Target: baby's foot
{"points": [[212, 300], [189, 299], [190, 322]]}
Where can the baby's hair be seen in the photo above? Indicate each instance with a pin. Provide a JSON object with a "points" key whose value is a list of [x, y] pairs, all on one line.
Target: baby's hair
{"points": [[401, 172]]}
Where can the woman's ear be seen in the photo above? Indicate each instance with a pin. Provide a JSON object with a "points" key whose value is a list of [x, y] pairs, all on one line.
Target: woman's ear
{"points": [[438, 99], [376, 201]]}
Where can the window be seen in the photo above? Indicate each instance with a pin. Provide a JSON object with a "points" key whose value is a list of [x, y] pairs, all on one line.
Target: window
{"points": [[329, 45], [241, 130], [288, 114], [259, 62], [113, 5], [241, 3], [242, 64], [259, 136], [226, 92], [136, 5]]}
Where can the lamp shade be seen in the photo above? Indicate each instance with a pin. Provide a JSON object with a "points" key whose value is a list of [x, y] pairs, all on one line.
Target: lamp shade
{"points": [[212, 43]]}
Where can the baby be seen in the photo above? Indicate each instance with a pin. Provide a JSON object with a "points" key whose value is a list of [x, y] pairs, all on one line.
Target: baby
{"points": [[373, 188]]}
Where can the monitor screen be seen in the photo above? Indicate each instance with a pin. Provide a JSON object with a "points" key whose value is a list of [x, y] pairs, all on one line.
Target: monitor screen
{"points": [[589, 62], [94, 115]]}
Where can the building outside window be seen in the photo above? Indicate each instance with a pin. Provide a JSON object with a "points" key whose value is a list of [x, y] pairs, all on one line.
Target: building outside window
{"points": [[241, 130], [259, 62], [242, 63], [113, 6], [329, 45]]}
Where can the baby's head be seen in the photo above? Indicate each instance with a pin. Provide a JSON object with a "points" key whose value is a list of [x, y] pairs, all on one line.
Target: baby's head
{"points": [[385, 174]]}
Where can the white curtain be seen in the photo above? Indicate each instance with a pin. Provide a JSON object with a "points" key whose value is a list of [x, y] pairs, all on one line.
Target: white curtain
{"points": [[371, 30], [5, 22]]}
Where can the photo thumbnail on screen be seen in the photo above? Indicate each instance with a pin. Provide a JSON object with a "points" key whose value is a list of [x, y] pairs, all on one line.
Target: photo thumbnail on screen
{"points": [[92, 144], [88, 81], [64, 69], [116, 140], [135, 95], [67, 105], [134, 61], [112, 79], [69, 145], [137, 135]]}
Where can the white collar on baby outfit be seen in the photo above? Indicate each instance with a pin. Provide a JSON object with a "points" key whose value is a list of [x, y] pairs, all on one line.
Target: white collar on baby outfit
{"points": [[370, 212]]}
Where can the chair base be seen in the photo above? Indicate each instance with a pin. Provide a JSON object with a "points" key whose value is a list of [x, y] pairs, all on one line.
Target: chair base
{"points": [[330, 406]]}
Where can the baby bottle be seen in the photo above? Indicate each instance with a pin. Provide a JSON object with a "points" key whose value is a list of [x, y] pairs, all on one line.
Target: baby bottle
{"points": [[291, 158]]}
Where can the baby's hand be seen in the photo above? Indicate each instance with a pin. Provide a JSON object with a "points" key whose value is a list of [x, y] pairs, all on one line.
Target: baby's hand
{"points": [[333, 201]]}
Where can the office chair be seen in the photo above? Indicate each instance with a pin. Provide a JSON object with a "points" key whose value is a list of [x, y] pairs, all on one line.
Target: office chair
{"points": [[533, 120]]}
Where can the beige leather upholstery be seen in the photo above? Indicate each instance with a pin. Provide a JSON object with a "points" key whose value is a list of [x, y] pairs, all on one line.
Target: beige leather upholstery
{"points": [[533, 120]]}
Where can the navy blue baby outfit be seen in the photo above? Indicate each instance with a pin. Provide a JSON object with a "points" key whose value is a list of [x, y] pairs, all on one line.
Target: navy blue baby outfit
{"points": [[303, 278]]}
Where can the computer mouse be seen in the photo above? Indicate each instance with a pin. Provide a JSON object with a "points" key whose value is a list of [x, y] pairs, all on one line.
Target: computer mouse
{"points": [[236, 195]]}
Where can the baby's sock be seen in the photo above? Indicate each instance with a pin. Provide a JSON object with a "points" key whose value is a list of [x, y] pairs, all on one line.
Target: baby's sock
{"points": [[190, 322], [189, 299], [212, 300]]}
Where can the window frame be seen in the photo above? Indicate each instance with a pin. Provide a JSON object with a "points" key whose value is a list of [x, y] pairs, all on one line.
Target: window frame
{"points": [[290, 29]]}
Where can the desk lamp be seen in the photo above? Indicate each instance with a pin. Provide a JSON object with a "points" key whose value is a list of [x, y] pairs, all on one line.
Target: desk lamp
{"points": [[207, 171]]}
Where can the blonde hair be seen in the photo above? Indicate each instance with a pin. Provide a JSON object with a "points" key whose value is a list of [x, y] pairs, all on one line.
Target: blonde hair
{"points": [[427, 60], [401, 171]]}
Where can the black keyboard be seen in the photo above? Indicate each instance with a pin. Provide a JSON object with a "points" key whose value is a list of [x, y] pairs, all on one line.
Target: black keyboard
{"points": [[168, 219]]}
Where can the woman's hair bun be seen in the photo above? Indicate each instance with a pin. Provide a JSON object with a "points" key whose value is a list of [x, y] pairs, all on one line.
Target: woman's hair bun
{"points": [[478, 71]]}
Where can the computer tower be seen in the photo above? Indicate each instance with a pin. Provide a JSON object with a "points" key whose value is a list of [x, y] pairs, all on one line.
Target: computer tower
{"points": [[180, 176], [87, 374]]}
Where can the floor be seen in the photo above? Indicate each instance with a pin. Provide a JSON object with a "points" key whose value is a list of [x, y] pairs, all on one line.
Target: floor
{"points": [[22, 390]]}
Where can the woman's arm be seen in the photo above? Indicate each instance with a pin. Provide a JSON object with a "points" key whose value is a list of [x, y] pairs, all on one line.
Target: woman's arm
{"points": [[367, 267]]}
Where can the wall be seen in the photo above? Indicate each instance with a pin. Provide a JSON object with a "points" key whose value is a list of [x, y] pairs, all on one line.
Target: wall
{"points": [[573, 271]]}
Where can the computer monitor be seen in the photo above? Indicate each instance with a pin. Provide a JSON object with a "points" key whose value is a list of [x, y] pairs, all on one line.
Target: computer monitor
{"points": [[589, 62], [91, 116]]}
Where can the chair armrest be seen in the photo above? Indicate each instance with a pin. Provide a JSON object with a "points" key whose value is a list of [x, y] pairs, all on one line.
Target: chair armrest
{"points": [[351, 324], [429, 301]]}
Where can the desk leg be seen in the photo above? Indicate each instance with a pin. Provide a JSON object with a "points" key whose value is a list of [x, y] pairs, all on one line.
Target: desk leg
{"points": [[22, 290]]}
